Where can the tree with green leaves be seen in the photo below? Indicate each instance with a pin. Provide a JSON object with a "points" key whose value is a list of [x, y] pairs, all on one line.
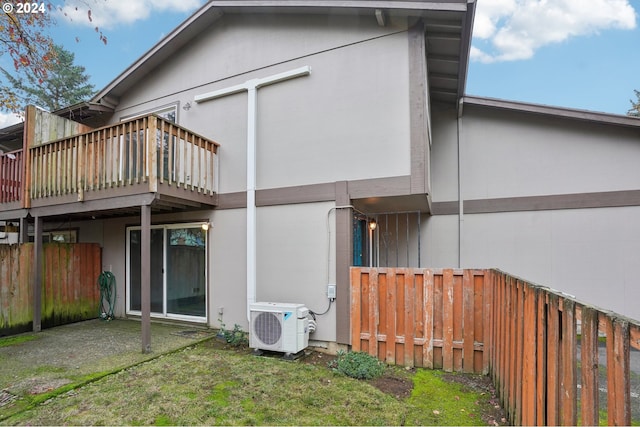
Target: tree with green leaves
{"points": [[634, 111], [65, 83], [25, 42]]}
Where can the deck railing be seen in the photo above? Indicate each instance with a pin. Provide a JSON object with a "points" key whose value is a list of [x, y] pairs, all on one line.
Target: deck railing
{"points": [[11, 176], [147, 150], [549, 355]]}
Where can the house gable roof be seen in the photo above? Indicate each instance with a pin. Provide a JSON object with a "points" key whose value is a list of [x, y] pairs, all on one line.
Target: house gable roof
{"points": [[447, 24]]}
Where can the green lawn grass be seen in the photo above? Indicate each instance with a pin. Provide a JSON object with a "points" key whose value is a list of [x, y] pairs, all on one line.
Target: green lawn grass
{"points": [[206, 385]]}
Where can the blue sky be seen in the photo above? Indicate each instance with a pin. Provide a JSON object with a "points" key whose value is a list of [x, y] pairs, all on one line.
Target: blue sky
{"points": [[582, 54]]}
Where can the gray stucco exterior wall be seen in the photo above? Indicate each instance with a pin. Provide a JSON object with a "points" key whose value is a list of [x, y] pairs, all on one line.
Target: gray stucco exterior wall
{"points": [[550, 199]]}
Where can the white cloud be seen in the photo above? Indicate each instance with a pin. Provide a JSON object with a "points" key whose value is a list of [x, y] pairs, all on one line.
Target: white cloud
{"points": [[108, 14], [509, 30], [8, 119]]}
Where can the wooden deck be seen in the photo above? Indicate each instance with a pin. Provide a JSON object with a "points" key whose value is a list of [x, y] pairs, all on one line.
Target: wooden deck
{"points": [[106, 171]]}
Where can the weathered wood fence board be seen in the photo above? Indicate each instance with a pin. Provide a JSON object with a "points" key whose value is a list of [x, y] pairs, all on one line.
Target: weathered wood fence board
{"points": [[69, 285], [526, 337], [420, 317]]}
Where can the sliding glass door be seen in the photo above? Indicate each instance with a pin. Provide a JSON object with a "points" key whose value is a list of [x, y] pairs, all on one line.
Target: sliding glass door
{"points": [[178, 271]]}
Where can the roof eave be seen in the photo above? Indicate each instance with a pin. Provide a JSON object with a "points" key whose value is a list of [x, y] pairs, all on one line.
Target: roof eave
{"points": [[213, 10], [547, 110], [465, 48]]}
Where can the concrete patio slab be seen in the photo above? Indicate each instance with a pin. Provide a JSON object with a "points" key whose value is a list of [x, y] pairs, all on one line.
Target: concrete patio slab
{"points": [[40, 363]]}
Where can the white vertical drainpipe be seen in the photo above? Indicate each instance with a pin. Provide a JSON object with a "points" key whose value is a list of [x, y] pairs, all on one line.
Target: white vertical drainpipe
{"points": [[252, 86], [460, 195], [252, 226]]}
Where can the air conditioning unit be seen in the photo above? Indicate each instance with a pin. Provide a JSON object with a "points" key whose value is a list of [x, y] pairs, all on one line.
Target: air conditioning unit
{"points": [[280, 327]]}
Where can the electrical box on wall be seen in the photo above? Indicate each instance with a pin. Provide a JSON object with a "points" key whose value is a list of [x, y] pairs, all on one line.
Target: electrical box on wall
{"points": [[331, 291]]}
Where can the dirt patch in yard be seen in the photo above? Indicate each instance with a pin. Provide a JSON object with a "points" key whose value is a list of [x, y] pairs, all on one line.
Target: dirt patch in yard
{"points": [[394, 385], [397, 382]]}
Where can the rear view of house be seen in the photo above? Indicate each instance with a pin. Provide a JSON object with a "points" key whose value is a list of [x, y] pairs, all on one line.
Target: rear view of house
{"points": [[264, 147]]}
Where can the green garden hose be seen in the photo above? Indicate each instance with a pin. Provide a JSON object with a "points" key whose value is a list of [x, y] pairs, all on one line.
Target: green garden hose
{"points": [[107, 284]]}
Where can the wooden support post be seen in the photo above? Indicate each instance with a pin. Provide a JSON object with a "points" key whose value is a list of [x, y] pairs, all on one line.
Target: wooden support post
{"points": [[24, 230], [27, 143], [145, 277], [344, 257], [37, 276]]}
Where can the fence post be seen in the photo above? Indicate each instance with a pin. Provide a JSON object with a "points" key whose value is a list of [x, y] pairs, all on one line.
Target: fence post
{"points": [[387, 297], [409, 322], [468, 311], [447, 320], [488, 294], [373, 314], [427, 351], [356, 307], [589, 359], [618, 367], [568, 385], [529, 357]]}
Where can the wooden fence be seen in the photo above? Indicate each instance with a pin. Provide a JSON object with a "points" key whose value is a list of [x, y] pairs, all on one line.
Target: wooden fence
{"points": [[526, 337], [69, 285]]}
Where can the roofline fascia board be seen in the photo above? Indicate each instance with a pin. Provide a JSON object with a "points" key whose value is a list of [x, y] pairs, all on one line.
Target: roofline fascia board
{"points": [[465, 48], [218, 10], [459, 6], [546, 110]]}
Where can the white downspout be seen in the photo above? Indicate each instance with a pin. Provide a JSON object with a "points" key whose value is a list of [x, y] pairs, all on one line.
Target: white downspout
{"points": [[252, 225], [252, 86], [460, 196]]}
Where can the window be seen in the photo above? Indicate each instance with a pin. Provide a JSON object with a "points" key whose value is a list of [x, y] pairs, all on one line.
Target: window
{"points": [[131, 145]]}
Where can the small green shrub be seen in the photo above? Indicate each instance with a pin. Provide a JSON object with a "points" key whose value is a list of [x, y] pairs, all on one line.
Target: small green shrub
{"points": [[357, 364], [236, 337]]}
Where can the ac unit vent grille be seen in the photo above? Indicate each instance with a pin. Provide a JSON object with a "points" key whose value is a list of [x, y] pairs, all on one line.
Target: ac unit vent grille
{"points": [[268, 327]]}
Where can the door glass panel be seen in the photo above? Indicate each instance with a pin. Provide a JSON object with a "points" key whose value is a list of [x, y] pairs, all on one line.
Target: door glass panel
{"points": [[156, 270], [186, 266]]}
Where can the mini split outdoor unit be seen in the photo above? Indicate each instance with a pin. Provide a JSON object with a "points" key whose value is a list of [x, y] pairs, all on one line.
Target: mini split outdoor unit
{"points": [[280, 327]]}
